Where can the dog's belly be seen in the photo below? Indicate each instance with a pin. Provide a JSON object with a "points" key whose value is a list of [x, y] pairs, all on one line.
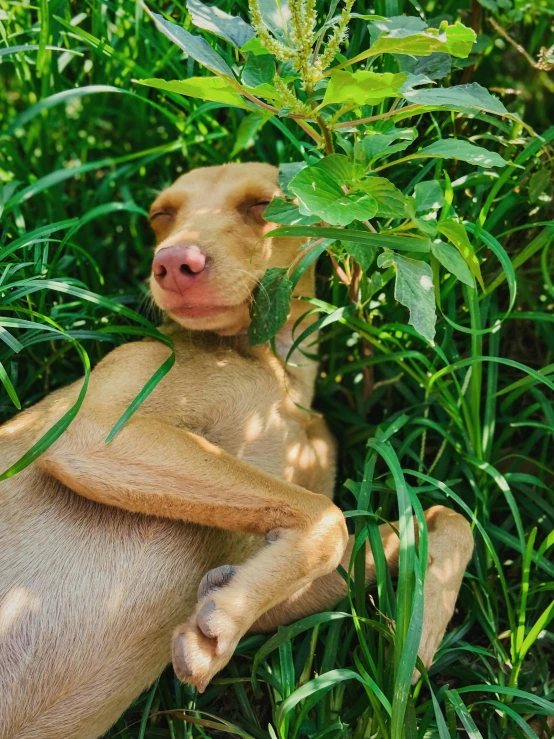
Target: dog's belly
{"points": [[89, 597]]}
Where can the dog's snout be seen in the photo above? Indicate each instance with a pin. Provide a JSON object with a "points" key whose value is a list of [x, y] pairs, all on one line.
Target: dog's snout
{"points": [[176, 267]]}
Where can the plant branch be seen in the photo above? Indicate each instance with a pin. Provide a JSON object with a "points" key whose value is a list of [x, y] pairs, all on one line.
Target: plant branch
{"points": [[542, 65], [380, 117]]}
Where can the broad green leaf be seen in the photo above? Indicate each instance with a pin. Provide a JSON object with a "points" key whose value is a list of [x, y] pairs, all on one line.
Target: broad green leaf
{"points": [[206, 88], [385, 240], [538, 184], [266, 92], [286, 174], [210, 18], [364, 254], [258, 70], [459, 97], [247, 130], [318, 194], [363, 88], [390, 200], [414, 289], [457, 235], [380, 143], [195, 46], [456, 40], [397, 26], [463, 150], [281, 211], [254, 46], [451, 258], [341, 169], [276, 16], [428, 196], [434, 67], [270, 309]]}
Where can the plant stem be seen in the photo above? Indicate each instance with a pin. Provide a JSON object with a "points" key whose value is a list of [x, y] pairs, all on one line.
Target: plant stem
{"points": [[327, 136]]}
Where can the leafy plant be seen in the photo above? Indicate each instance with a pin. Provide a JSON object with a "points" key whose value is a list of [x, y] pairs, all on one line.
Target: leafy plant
{"points": [[287, 67]]}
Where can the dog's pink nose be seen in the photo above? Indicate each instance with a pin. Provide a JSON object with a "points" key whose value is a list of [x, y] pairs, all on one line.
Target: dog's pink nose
{"points": [[177, 267]]}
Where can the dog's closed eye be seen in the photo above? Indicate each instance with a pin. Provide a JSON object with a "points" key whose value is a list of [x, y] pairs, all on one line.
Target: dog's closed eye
{"points": [[256, 210], [160, 214]]}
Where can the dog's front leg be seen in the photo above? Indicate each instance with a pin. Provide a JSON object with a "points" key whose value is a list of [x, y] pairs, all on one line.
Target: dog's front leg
{"points": [[157, 469]]}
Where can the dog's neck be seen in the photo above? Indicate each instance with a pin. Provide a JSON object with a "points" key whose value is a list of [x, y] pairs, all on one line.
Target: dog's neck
{"points": [[298, 371]]}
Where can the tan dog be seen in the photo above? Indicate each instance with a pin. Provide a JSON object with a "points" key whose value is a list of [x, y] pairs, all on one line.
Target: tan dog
{"points": [[106, 549]]}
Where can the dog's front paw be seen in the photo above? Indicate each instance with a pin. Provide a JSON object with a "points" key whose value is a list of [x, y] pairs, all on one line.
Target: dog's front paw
{"points": [[203, 646]]}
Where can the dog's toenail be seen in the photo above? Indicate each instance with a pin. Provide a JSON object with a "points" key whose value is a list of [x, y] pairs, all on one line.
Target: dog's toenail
{"points": [[272, 536], [216, 578], [204, 617]]}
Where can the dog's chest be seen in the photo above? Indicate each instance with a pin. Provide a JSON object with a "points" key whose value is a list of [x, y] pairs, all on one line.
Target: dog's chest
{"points": [[245, 407]]}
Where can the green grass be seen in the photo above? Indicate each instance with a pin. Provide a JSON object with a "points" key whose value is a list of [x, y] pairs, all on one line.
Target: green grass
{"points": [[468, 423]]}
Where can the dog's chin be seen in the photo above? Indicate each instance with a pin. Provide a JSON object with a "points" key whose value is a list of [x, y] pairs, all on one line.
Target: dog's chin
{"points": [[221, 319]]}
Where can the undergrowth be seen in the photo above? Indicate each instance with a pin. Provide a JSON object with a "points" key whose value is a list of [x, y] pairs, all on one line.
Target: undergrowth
{"points": [[459, 414]]}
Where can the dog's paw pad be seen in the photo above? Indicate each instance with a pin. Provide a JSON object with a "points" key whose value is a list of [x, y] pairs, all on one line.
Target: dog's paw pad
{"points": [[215, 579]]}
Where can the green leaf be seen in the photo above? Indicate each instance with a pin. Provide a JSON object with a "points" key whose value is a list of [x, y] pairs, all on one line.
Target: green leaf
{"points": [[247, 130], [414, 289], [386, 240], [390, 200], [458, 97], [538, 184], [362, 88], [434, 67], [364, 254], [287, 633], [270, 309], [320, 195], [377, 144], [8, 387], [397, 26], [281, 211], [254, 46], [463, 150], [210, 18], [258, 70], [287, 172], [463, 714], [457, 235], [428, 196], [158, 375], [456, 40], [195, 46], [215, 89], [319, 686], [341, 169], [276, 16], [451, 258]]}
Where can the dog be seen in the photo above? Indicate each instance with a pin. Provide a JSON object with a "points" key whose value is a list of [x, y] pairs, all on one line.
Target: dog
{"points": [[208, 516]]}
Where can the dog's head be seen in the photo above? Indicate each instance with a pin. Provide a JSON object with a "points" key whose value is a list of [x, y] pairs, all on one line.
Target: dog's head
{"points": [[210, 249]]}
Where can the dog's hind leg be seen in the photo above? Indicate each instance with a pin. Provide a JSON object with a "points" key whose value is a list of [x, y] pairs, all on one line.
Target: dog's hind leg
{"points": [[450, 549]]}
